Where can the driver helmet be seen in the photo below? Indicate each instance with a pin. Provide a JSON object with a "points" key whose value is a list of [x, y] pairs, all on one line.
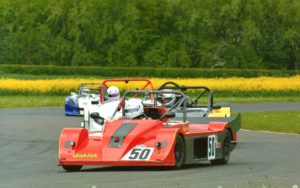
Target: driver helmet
{"points": [[134, 110], [113, 93], [167, 99]]}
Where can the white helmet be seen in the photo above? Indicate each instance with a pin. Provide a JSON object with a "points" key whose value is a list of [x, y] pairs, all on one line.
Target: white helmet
{"points": [[167, 99], [134, 109], [113, 93]]}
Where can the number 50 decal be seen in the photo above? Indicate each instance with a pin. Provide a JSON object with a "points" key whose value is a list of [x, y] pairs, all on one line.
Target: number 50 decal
{"points": [[139, 154]]}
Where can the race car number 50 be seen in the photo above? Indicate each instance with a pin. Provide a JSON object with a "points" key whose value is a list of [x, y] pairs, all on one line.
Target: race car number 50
{"points": [[139, 154]]}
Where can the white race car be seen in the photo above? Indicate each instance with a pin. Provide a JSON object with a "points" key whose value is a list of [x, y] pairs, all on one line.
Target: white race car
{"points": [[88, 94], [95, 115]]}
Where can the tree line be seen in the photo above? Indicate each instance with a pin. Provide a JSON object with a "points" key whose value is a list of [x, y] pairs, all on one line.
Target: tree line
{"points": [[157, 33]]}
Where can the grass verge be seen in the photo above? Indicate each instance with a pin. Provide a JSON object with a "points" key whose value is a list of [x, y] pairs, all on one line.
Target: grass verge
{"points": [[49, 77], [31, 101], [256, 99], [279, 121]]}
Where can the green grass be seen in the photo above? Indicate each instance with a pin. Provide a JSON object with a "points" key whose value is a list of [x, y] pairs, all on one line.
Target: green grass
{"points": [[31, 101], [257, 99], [47, 77], [167, 72], [278, 121]]}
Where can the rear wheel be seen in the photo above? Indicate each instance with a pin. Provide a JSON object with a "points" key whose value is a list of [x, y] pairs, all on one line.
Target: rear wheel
{"points": [[179, 152], [72, 168], [225, 150]]}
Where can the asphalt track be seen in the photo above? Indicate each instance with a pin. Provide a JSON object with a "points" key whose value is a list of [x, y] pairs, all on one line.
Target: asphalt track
{"points": [[28, 157]]}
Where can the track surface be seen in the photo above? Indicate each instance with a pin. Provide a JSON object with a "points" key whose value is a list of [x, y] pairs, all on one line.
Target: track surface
{"points": [[28, 157]]}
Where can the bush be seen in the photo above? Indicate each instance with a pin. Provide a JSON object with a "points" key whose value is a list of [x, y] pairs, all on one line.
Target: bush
{"points": [[141, 72]]}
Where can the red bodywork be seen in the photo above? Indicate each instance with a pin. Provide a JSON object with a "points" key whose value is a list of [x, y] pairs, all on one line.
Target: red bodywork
{"points": [[96, 150]]}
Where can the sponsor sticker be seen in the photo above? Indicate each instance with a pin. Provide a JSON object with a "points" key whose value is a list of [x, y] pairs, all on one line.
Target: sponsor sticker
{"points": [[85, 155]]}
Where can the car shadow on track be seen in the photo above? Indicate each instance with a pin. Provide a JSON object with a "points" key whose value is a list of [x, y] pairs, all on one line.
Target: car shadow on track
{"points": [[143, 168]]}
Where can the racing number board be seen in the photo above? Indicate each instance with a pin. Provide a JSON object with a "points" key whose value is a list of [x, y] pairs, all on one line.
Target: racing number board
{"points": [[139, 154], [212, 143]]}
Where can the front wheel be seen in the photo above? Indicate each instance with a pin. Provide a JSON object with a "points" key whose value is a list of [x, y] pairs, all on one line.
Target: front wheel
{"points": [[225, 150], [179, 152], [72, 168]]}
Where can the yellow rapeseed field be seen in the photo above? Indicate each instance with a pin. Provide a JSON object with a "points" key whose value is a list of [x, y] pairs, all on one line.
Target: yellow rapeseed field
{"points": [[217, 84]]}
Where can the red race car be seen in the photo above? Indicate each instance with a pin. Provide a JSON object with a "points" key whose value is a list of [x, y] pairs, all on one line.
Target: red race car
{"points": [[156, 136]]}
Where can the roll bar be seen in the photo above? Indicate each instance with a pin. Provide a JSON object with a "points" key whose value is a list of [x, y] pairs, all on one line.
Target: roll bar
{"points": [[126, 80], [156, 93], [173, 85], [87, 84]]}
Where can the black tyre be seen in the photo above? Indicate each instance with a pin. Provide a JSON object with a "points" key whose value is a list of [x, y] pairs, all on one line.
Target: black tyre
{"points": [[179, 152], [72, 168], [225, 150]]}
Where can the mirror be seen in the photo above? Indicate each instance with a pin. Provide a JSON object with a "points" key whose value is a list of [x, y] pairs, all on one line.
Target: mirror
{"points": [[97, 118], [95, 115]]}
